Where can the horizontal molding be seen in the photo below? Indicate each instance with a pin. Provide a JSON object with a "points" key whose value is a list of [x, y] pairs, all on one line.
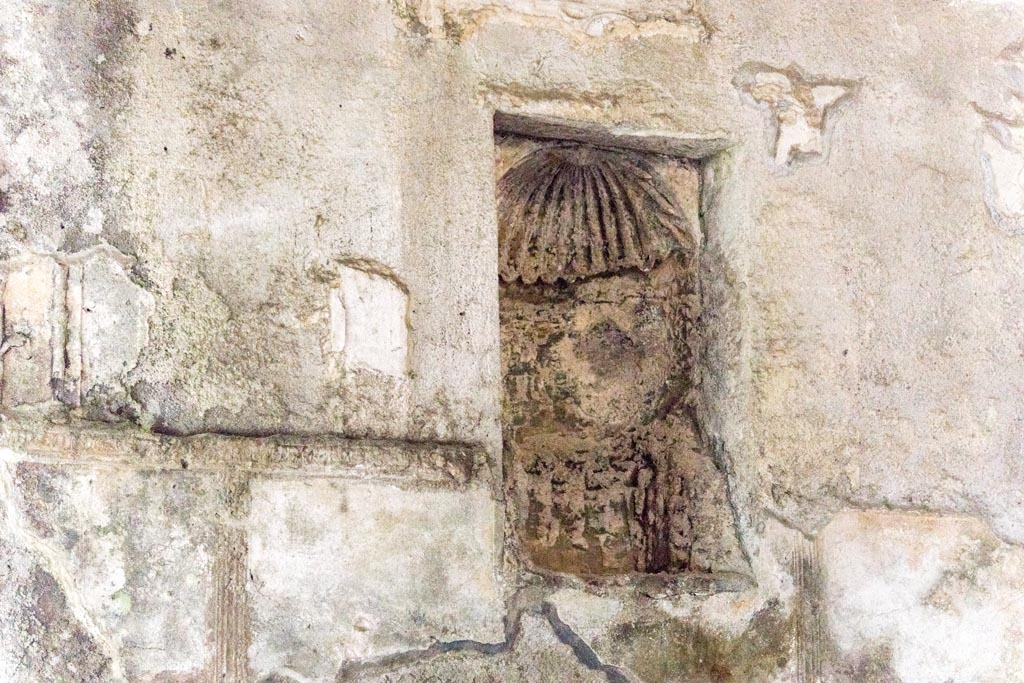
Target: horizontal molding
{"points": [[432, 463]]}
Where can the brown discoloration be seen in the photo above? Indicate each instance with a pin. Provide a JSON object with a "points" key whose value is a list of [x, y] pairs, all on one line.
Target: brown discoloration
{"points": [[659, 650], [606, 460]]}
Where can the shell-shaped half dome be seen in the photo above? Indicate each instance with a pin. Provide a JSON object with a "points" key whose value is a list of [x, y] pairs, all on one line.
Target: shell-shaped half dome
{"points": [[571, 212]]}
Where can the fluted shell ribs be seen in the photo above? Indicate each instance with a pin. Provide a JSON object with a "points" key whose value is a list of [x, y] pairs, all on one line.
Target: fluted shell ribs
{"points": [[571, 212]]}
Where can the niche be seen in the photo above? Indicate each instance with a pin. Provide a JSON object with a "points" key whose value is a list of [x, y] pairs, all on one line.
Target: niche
{"points": [[607, 469]]}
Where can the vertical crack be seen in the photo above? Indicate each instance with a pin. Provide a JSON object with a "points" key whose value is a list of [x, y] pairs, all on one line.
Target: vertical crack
{"points": [[584, 653]]}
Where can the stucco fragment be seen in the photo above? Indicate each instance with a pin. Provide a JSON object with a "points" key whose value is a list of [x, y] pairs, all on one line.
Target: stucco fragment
{"points": [[800, 108], [369, 321], [81, 325], [1002, 157], [1002, 146]]}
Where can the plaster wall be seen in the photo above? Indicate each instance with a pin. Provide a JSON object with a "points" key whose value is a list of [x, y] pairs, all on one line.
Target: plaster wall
{"points": [[251, 364]]}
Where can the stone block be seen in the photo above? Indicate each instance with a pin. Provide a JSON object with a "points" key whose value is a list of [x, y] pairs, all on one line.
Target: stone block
{"points": [[343, 571]]}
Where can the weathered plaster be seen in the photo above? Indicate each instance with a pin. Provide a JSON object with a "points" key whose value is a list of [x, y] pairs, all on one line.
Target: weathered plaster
{"points": [[859, 258]]}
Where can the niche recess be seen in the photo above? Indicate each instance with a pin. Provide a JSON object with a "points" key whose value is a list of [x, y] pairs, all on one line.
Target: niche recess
{"points": [[607, 468]]}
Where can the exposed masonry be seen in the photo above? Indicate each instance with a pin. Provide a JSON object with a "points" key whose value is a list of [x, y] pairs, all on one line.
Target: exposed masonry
{"points": [[605, 461]]}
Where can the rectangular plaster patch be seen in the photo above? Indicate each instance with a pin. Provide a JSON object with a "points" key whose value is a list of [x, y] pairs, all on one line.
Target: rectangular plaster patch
{"points": [[343, 571], [369, 321]]}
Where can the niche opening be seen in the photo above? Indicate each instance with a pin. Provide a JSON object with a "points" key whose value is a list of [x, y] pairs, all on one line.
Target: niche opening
{"points": [[607, 468]]}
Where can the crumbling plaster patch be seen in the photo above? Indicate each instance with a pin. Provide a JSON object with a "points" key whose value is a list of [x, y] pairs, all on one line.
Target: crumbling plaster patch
{"points": [[800, 108]]}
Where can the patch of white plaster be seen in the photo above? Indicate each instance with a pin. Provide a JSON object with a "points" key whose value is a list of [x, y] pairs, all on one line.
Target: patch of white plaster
{"points": [[1002, 157], [799, 108], [344, 571], [942, 594], [1001, 146], [369, 321], [93, 221]]}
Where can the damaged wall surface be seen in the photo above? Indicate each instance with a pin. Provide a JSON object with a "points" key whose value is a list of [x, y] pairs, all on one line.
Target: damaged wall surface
{"points": [[511, 340]]}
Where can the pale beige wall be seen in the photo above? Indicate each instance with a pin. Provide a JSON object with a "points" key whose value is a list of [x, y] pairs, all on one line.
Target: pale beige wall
{"points": [[863, 298]]}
